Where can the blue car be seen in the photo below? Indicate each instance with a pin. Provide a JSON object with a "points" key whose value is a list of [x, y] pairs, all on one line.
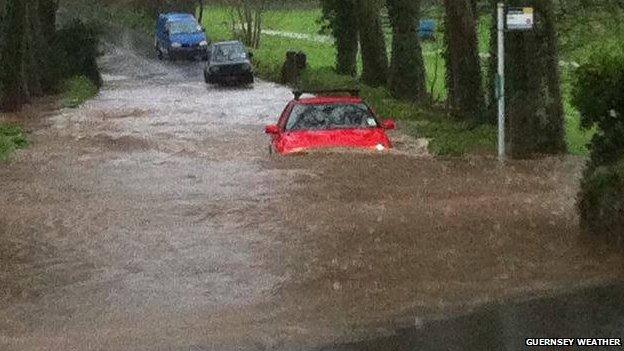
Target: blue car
{"points": [[178, 35], [427, 29]]}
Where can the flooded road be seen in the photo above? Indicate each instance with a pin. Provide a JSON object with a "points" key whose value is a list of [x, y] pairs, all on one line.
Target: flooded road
{"points": [[153, 218]]}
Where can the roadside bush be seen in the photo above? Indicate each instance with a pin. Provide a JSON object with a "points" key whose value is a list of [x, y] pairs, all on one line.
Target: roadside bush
{"points": [[11, 138], [78, 90], [599, 96], [602, 203]]}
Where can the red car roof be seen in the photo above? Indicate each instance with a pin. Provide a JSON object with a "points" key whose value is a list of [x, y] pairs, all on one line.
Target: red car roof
{"points": [[323, 100]]}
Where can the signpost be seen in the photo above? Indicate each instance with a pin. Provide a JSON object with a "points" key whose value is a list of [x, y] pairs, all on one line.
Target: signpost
{"points": [[500, 93], [520, 18], [516, 19]]}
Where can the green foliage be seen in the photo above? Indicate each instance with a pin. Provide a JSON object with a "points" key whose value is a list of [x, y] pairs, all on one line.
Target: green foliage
{"points": [[601, 203], [270, 57], [585, 26], [11, 139], [293, 20], [456, 138], [77, 90], [577, 138], [599, 96]]}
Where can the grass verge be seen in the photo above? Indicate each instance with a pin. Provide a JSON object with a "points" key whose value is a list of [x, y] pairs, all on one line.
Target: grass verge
{"points": [[76, 91], [11, 139]]}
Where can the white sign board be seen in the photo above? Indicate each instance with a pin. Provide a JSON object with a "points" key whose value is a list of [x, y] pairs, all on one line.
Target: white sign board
{"points": [[520, 18]]}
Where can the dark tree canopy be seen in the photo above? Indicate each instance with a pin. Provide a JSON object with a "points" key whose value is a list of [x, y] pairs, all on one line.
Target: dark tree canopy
{"points": [[12, 54]]}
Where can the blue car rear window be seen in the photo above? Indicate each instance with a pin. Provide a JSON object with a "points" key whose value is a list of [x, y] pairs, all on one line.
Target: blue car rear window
{"points": [[185, 27]]}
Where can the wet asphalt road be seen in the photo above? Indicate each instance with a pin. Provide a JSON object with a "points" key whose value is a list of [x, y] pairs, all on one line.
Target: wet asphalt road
{"points": [[152, 218], [595, 312]]}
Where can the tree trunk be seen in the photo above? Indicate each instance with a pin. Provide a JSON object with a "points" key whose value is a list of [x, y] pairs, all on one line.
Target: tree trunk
{"points": [[31, 41], [247, 17], [344, 27], [163, 6], [407, 70], [47, 18], [2, 8], [535, 109], [373, 43], [45, 35], [201, 11], [463, 66], [257, 27], [12, 75]]}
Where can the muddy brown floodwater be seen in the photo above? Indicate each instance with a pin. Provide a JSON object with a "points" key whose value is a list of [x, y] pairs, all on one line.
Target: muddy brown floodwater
{"points": [[153, 218]]}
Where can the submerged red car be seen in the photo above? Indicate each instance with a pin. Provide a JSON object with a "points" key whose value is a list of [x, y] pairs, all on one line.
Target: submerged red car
{"points": [[328, 121]]}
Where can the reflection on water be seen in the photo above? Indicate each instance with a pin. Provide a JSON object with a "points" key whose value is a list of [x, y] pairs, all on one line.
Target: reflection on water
{"points": [[591, 313]]}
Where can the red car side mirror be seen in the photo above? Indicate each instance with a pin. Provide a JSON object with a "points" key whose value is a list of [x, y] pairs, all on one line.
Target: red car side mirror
{"points": [[388, 124], [272, 129]]}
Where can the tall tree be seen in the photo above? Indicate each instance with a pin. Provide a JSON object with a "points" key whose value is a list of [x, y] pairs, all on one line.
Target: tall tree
{"points": [[47, 18], [33, 59], [343, 23], [31, 40], [533, 90], [202, 5], [2, 8], [372, 42], [44, 35], [463, 66], [12, 75], [247, 17], [407, 70]]}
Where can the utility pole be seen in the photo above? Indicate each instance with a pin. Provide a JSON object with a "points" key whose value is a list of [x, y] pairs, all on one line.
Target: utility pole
{"points": [[501, 82]]}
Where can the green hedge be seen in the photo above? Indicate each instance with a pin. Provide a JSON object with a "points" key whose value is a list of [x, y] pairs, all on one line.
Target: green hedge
{"points": [[601, 203], [599, 96]]}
